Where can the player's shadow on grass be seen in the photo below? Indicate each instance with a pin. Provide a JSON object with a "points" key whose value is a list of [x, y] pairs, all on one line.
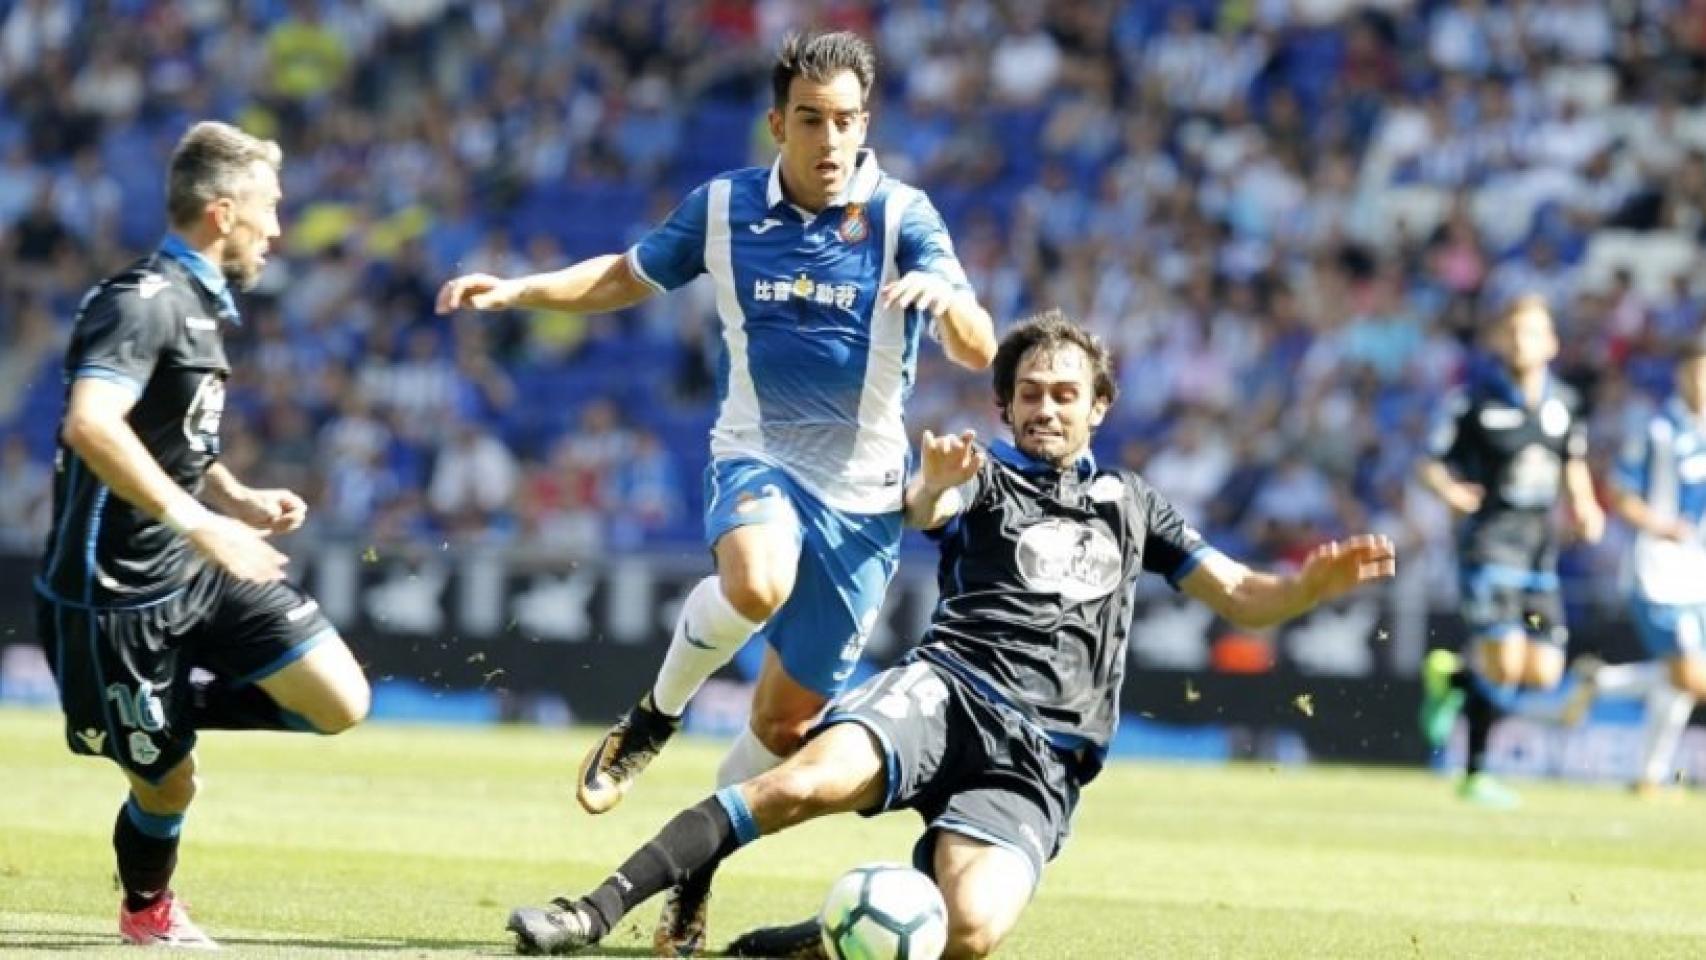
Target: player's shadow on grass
{"points": [[374, 944], [48, 940], [494, 946], [65, 941]]}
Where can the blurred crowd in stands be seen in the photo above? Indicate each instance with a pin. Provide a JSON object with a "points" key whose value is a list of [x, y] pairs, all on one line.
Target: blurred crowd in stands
{"points": [[1289, 217]]}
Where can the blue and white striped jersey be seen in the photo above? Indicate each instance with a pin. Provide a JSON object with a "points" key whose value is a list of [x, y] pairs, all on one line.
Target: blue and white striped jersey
{"points": [[1665, 465], [814, 371]]}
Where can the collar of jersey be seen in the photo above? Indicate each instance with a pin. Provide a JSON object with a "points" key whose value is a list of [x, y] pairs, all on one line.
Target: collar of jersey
{"points": [[1023, 462], [859, 189], [1509, 392], [205, 273]]}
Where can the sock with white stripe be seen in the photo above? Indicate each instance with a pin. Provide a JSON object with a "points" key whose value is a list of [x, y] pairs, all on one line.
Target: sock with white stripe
{"points": [[707, 636]]}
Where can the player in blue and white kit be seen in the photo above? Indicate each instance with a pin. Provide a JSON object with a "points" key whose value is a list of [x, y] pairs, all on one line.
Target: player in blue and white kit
{"points": [[827, 273], [1660, 490]]}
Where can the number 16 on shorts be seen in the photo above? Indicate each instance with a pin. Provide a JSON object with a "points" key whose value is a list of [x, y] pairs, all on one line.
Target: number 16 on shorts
{"points": [[142, 714]]}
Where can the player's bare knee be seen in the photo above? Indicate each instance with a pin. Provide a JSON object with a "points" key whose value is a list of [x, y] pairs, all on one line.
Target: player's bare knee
{"points": [[343, 706], [342, 712], [1543, 674], [1543, 667], [985, 890], [970, 936], [1499, 674], [1689, 676], [755, 595], [781, 735], [359, 700], [172, 794], [176, 795], [1502, 663], [344, 717]]}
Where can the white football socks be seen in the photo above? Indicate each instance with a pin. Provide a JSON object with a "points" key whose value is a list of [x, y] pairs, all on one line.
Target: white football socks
{"points": [[746, 759], [708, 634], [1668, 710]]}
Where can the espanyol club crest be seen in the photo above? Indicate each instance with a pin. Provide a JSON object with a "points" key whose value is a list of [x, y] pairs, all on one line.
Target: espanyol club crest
{"points": [[854, 227]]}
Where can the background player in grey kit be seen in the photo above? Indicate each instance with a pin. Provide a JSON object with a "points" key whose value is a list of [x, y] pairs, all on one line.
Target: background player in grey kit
{"points": [[140, 582], [1006, 709]]}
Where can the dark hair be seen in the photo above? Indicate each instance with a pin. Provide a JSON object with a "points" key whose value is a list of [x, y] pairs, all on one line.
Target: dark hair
{"points": [[820, 57], [1519, 304], [1047, 332], [213, 160]]}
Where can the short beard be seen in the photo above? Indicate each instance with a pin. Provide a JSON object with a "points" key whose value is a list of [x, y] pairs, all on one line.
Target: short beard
{"points": [[1060, 462], [238, 275]]}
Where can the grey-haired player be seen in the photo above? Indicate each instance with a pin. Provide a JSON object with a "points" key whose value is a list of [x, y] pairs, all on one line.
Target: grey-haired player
{"points": [[140, 582]]}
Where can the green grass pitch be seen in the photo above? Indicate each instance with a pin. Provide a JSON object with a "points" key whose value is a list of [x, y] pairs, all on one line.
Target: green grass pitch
{"points": [[414, 842]]}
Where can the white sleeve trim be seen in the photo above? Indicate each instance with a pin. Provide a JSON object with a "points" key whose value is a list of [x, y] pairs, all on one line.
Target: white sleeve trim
{"points": [[633, 257]]}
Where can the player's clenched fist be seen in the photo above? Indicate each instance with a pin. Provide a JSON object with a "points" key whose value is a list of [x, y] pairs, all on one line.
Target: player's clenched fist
{"points": [[950, 460], [477, 291], [275, 511]]}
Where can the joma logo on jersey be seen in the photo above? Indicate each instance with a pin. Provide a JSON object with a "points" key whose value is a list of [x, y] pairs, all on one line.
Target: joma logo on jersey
{"points": [[805, 289]]}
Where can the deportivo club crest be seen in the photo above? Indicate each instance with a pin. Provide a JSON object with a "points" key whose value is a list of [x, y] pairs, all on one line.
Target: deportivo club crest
{"points": [[1075, 560], [854, 227]]}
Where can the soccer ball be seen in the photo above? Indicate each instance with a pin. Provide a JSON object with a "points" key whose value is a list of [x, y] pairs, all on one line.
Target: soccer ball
{"points": [[884, 911]]}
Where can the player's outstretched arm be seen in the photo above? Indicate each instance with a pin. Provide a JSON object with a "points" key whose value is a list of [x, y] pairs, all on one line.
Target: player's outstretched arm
{"points": [[1253, 599], [598, 285], [933, 497], [96, 430]]}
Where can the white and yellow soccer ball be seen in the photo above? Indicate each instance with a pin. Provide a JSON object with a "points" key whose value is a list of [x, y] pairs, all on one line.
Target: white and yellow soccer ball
{"points": [[884, 911]]}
